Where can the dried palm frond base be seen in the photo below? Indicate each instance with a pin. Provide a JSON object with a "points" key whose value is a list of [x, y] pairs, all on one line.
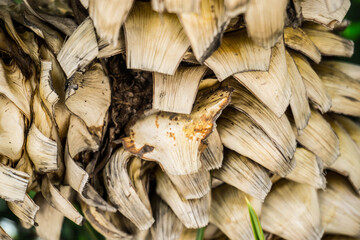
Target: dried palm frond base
{"points": [[161, 117]]}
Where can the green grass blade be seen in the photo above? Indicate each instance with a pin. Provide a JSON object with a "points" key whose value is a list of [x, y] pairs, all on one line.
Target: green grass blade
{"points": [[255, 223], [200, 233]]}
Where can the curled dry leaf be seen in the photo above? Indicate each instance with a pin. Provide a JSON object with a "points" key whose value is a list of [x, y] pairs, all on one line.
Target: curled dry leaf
{"points": [[237, 53], [15, 86], [153, 42], [205, 29], [234, 8], [60, 202], [298, 102], [192, 213], [108, 17], [265, 21], [351, 127], [319, 138], [125, 188], [292, 211], [192, 186], [42, 150], [107, 50], [80, 49], [175, 140], [278, 129], [48, 218], [13, 184], [4, 235], [296, 38], [88, 96], [340, 207], [53, 39], [25, 210], [272, 86], [309, 169], [212, 157], [11, 129], [343, 90], [324, 13], [348, 162], [229, 212], [244, 174], [315, 88], [176, 93], [350, 69], [330, 44], [166, 226], [103, 225], [238, 132], [176, 6]]}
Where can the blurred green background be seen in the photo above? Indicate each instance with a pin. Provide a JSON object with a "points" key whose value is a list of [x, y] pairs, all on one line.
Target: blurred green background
{"points": [[9, 222]]}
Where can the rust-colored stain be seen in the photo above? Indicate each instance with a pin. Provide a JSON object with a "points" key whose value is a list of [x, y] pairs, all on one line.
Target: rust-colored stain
{"points": [[157, 121]]}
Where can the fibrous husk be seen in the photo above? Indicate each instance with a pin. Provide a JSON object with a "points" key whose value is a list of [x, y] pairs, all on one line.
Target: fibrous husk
{"points": [[192, 186], [229, 212], [25, 210], [11, 129], [15, 86], [239, 133], [108, 16], [320, 139], [153, 42], [192, 213], [328, 13], [88, 96], [176, 6], [291, 211], [330, 44], [278, 129], [176, 93], [298, 102], [205, 29], [60, 201], [238, 53], [265, 21], [42, 150], [348, 163], [175, 140], [234, 8], [315, 88], [166, 226], [244, 174], [4, 235], [101, 223], [272, 86], [13, 184], [212, 156], [350, 69], [80, 48], [309, 169], [297, 39], [126, 190], [351, 127], [340, 207], [343, 90]]}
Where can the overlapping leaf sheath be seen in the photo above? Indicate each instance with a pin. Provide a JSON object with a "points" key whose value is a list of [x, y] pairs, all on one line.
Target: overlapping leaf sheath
{"points": [[161, 117]]}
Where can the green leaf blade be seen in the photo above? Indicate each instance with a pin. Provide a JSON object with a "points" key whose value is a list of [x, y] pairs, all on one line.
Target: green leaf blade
{"points": [[255, 223]]}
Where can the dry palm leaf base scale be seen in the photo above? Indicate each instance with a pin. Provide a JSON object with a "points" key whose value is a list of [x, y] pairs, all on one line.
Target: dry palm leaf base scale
{"points": [[162, 117]]}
